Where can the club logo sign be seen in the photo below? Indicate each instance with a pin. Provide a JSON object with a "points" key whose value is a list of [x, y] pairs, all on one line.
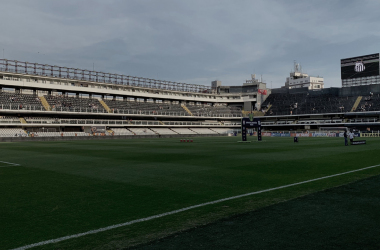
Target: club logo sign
{"points": [[359, 66]]}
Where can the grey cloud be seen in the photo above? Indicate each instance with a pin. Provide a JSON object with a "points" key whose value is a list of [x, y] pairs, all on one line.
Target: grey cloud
{"points": [[192, 41]]}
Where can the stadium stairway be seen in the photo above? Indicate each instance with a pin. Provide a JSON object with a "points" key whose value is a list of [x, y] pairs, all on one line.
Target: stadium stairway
{"points": [[269, 106], [155, 132], [255, 113], [245, 113], [356, 103], [186, 109], [174, 131], [22, 120], [45, 103], [193, 131], [161, 123], [105, 106], [214, 131], [131, 131], [258, 113]]}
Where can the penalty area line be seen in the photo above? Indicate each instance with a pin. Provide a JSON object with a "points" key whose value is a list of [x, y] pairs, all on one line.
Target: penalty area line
{"points": [[9, 163], [181, 210]]}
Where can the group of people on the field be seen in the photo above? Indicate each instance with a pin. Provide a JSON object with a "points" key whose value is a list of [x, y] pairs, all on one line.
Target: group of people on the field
{"points": [[348, 134]]}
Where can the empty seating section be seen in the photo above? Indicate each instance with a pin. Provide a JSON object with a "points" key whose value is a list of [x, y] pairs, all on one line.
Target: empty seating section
{"points": [[42, 120], [369, 103], [20, 101], [78, 104], [9, 119], [16, 132], [171, 109], [89, 122], [303, 103], [12, 132], [108, 122], [236, 111], [74, 104], [222, 131], [227, 111], [215, 111], [184, 131], [58, 134], [142, 131], [229, 123], [145, 108], [164, 131], [121, 131], [203, 131]]}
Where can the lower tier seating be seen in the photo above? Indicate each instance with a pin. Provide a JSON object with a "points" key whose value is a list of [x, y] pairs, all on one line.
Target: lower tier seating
{"points": [[12, 132], [184, 131], [142, 131], [121, 131], [203, 131], [164, 131]]}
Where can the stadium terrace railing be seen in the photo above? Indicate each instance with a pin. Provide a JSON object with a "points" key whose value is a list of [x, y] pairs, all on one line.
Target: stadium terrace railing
{"points": [[115, 122], [53, 71], [321, 122], [119, 111]]}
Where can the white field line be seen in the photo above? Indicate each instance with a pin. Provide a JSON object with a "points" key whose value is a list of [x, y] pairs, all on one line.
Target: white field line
{"points": [[180, 210], [9, 163]]}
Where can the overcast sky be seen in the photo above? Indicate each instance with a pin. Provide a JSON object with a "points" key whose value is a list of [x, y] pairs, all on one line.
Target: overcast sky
{"points": [[193, 41]]}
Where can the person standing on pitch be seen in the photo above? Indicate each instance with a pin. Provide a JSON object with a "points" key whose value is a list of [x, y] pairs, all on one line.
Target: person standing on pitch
{"points": [[351, 137], [345, 138]]}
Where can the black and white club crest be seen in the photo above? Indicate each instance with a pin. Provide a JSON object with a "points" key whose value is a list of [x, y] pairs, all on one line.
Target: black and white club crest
{"points": [[359, 66]]}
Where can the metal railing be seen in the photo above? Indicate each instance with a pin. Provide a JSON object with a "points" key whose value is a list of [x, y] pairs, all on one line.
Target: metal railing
{"points": [[115, 122], [118, 111], [321, 122], [75, 74]]}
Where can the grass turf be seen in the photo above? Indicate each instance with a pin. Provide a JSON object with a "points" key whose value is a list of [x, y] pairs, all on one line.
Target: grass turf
{"points": [[64, 188], [345, 217]]}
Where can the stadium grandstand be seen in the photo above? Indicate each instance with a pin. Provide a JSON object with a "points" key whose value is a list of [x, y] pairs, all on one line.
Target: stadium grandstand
{"points": [[356, 107], [39, 100]]}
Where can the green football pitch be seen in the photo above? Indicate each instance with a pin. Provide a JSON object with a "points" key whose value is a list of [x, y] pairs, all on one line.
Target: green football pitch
{"points": [[121, 193]]}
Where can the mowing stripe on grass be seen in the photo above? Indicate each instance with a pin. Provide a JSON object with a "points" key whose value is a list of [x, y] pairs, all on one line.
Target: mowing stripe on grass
{"points": [[181, 210], [9, 163]]}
